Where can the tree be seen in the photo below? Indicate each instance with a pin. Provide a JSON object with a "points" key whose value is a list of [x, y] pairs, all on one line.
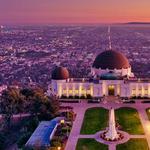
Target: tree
{"points": [[43, 106], [11, 103], [2, 140], [27, 92], [19, 102], [49, 107], [6, 108], [53, 105], [33, 101]]}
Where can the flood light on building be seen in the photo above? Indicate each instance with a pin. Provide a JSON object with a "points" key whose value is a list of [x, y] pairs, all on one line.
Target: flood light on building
{"points": [[62, 121], [59, 148]]}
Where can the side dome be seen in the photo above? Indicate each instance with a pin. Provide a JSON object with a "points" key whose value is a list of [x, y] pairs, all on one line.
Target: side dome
{"points": [[60, 73], [111, 59]]}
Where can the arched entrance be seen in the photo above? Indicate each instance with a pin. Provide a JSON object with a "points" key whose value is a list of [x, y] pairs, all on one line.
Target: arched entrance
{"points": [[111, 90]]}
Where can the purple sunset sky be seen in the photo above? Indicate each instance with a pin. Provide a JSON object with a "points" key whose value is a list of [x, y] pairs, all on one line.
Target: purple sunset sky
{"points": [[73, 11]]}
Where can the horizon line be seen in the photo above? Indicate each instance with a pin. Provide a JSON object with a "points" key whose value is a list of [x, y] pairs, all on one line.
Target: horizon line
{"points": [[76, 23]]}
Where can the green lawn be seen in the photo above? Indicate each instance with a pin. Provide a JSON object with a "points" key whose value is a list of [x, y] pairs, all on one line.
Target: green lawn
{"points": [[129, 120], [95, 119], [90, 144], [148, 113], [134, 144]]}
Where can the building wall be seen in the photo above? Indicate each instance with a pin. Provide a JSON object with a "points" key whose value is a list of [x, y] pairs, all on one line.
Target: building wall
{"points": [[121, 88], [140, 89]]}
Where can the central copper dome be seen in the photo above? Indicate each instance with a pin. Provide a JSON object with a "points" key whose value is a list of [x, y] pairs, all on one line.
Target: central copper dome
{"points": [[111, 59]]}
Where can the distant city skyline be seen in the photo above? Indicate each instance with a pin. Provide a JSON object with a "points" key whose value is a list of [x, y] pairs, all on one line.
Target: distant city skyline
{"points": [[73, 11]]}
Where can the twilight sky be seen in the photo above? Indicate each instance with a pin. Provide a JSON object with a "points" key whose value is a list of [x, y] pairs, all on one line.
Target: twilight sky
{"points": [[73, 11]]}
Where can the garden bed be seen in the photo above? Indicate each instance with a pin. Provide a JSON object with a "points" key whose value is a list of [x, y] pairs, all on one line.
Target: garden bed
{"points": [[146, 101], [134, 144], [148, 113], [90, 144], [62, 131], [129, 121], [70, 101], [95, 119]]}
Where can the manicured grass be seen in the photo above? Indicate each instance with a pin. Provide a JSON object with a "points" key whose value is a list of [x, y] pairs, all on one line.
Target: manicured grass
{"points": [[148, 113], [134, 144], [95, 119], [90, 144], [128, 119]]}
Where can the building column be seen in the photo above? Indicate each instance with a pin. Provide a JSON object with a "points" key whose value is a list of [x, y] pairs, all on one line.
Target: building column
{"points": [[60, 90], [80, 88], [104, 88], [67, 88]]}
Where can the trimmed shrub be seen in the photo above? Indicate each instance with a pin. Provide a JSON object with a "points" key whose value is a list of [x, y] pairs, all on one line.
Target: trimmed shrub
{"points": [[76, 97], [55, 142], [89, 96], [70, 97], [2, 140], [63, 97], [32, 124], [83, 97], [23, 139]]}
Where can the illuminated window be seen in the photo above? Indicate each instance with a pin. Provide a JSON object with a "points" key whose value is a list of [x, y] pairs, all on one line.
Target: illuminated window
{"points": [[76, 92], [70, 91], [64, 91], [88, 91], [140, 91], [83, 91], [133, 92], [145, 91]]}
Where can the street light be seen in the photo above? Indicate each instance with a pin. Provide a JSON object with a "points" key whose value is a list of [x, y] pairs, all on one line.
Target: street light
{"points": [[59, 148], [62, 121]]}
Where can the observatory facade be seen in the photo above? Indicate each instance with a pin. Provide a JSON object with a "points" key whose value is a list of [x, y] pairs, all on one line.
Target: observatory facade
{"points": [[111, 74]]}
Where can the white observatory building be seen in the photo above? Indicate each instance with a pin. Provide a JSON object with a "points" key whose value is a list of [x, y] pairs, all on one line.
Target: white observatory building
{"points": [[111, 75]]}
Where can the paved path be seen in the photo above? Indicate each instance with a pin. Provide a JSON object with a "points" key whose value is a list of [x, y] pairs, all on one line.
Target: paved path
{"points": [[87, 136], [112, 146], [80, 109], [17, 116], [145, 122], [75, 132], [137, 136]]}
